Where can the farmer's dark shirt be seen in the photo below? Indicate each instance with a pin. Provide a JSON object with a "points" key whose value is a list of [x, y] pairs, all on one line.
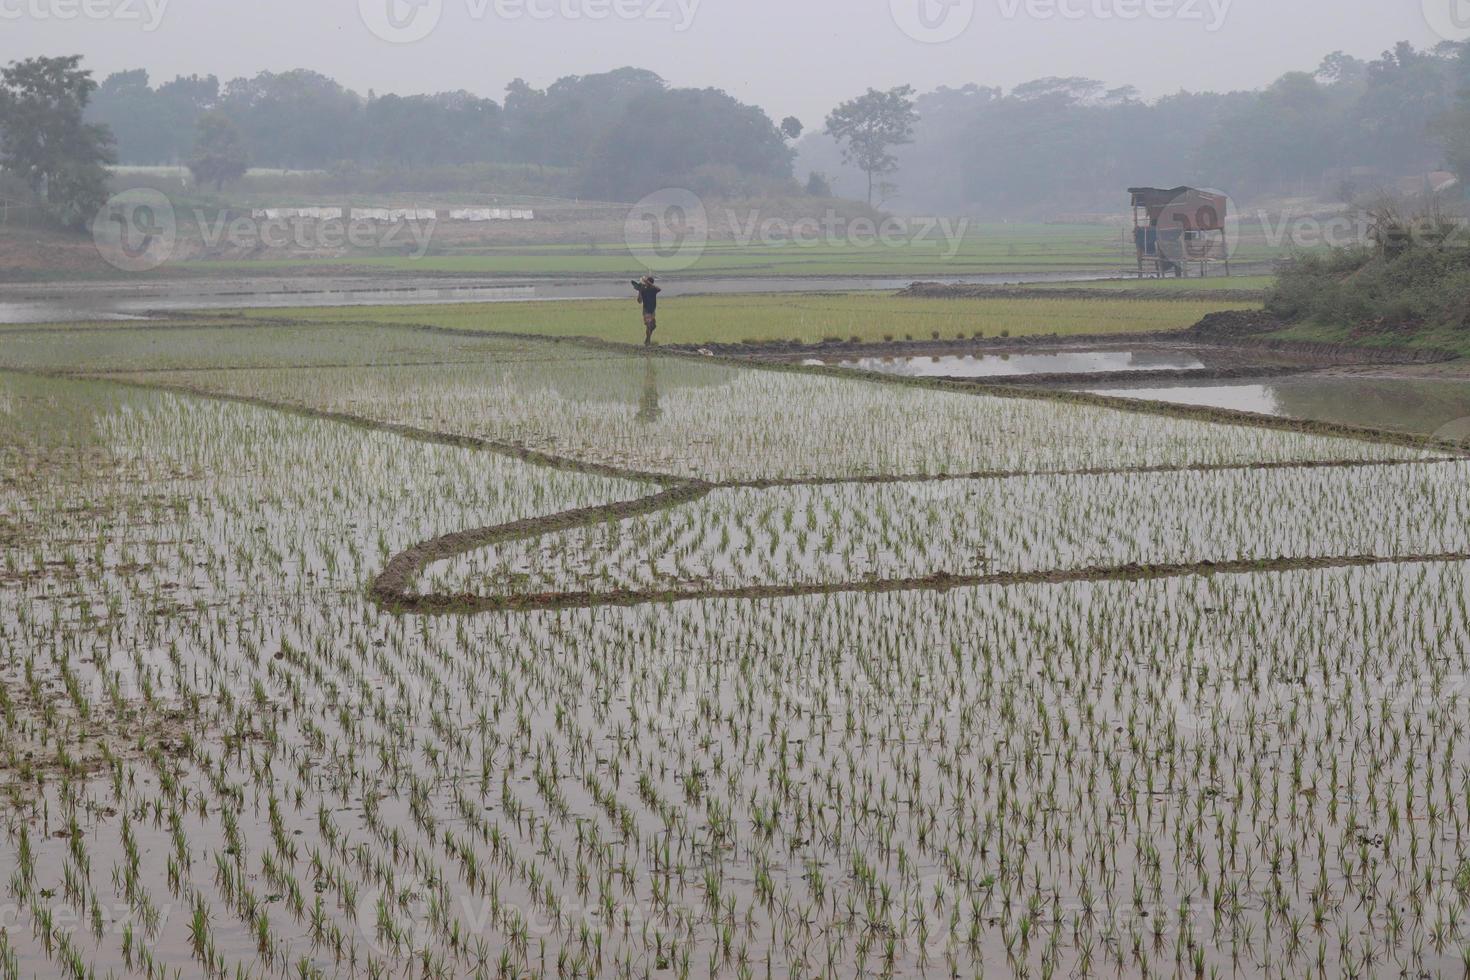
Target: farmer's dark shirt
{"points": [[649, 295]]}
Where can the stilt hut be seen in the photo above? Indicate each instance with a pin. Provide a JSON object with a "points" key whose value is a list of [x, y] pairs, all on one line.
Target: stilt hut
{"points": [[1175, 228]]}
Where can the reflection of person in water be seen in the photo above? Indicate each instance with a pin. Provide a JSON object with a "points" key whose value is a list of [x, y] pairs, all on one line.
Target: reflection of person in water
{"points": [[648, 407]]}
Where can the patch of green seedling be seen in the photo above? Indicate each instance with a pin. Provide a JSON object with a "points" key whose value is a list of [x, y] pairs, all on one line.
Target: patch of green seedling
{"points": [[222, 758]]}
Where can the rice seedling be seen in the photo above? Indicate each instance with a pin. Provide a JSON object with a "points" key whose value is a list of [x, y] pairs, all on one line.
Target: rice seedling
{"points": [[719, 423], [221, 756]]}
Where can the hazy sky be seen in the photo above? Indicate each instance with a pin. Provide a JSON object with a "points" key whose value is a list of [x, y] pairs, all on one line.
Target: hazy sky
{"points": [[789, 56]]}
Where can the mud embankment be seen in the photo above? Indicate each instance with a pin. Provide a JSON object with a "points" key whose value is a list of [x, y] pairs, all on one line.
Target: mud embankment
{"points": [[940, 290]]}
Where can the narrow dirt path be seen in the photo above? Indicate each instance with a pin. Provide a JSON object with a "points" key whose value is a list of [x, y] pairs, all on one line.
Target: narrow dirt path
{"points": [[393, 589], [471, 603]]}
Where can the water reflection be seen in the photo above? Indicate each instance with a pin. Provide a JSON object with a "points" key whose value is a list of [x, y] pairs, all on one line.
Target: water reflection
{"points": [[1014, 365], [644, 382], [1258, 398], [649, 411], [1400, 404]]}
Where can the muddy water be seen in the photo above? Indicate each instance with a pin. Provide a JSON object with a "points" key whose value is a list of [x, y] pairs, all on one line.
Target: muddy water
{"points": [[1404, 405], [1014, 365], [129, 299], [58, 311]]}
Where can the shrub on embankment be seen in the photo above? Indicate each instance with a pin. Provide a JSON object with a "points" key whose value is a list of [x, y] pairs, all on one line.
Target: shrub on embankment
{"points": [[1400, 288]]}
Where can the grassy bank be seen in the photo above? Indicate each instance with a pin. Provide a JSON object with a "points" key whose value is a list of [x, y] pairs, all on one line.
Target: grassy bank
{"points": [[807, 318], [1431, 338], [571, 249], [1411, 290], [985, 249]]}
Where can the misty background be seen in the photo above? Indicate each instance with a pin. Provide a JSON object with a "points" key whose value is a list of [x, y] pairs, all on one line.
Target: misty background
{"points": [[788, 58], [1031, 111]]}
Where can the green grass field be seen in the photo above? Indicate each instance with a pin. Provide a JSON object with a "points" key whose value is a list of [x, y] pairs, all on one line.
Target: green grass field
{"points": [[808, 318], [1455, 341], [985, 249]]}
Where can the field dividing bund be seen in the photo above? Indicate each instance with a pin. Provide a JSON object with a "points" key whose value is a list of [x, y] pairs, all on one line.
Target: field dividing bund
{"points": [[746, 670], [807, 318], [394, 587]]}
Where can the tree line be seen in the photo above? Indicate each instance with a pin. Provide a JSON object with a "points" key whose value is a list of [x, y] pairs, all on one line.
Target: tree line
{"points": [[1048, 146], [1073, 144], [625, 133]]}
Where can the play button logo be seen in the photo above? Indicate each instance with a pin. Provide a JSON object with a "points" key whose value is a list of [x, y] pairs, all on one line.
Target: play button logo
{"points": [[933, 21], [401, 21], [1450, 19]]}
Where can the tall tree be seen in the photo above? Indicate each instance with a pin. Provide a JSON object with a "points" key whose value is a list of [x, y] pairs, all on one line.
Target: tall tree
{"points": [[426, 130], [1406, 91], [869, 127], [45, 140], [560, 125], [701, 139], [1282, 139], [297, 119], [1452, 128], [1339, 68], [153, 125], [127, 104], [219, 155]]}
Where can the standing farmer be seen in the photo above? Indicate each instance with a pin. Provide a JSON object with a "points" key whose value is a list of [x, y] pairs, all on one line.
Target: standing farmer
{"points": [[648, 292]]}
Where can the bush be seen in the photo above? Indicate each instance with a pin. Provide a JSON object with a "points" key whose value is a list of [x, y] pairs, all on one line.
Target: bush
{"points": [[1372, 290]]}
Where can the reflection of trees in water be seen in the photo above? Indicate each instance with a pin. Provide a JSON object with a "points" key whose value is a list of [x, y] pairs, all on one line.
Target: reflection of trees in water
{"points": [[1161, 360], [1412, 406]]}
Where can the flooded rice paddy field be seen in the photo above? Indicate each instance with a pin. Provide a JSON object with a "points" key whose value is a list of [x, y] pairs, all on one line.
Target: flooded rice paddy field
{"points": [[1020, 365], [192, 346], [1141, 360], [716, 422], [862, 533], [1423, 406], [679, 417], [1222, 730]]}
